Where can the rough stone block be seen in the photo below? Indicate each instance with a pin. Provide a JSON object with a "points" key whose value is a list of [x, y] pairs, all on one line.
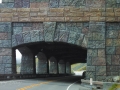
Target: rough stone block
{"points": [[34, 36], [110, 50], [3, 36], [117, 50], [8, 59], [90, 68], [10, 5], [101, 70], [89, 60], [17, 30], [14, 42], [26, 3], [19, 38], [95, 4], [49, 29], [79, 39], [6, 43], [100, 44], [54, 3], [92, 52], [97, 27], [5, 27], [116, 42], [98, 36], [98, 61], [26, 37], [90, 75], [37, 26], [91, 44], [101, 52], [109, 42], [18, 3], [63, 36], [112, 34], [72, 37], [5, 51], [115, 60], [26, 29]]}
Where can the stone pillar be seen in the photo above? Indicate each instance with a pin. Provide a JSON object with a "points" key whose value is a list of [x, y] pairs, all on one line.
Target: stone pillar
{"points": [[52, 66], [113, 49], [96, 62], [61, 67], [42, 63], [5, 48], [14, 64], [27, 61], [68, 68]]}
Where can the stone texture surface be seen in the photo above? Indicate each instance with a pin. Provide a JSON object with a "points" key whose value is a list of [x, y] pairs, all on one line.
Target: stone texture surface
{"points": [[61, 67], [50, 31], [68, 68], [27, 61], [112, 47], [5, 48], [96, 51], [92, 24], [42, 64], [53, 65]]}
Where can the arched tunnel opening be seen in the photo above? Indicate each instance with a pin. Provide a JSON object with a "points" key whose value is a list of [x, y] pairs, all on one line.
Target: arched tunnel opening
{"points": [[51, 58]]}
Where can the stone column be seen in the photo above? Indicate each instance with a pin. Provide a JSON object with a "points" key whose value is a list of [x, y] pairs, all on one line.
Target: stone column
{"points": [[27, 61], [52, 66], [61, 66], [42, 63], [5, 48], [96, 62], [68, 68]]}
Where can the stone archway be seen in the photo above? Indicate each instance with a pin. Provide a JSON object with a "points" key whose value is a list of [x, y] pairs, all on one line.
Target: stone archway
{"points": [[87, 35]]}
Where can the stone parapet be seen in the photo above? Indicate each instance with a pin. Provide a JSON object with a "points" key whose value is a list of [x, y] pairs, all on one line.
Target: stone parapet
{"points": [[71, 14]]}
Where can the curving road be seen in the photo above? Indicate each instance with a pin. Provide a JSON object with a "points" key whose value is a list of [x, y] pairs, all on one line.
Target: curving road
{"points": [[56, 83]]}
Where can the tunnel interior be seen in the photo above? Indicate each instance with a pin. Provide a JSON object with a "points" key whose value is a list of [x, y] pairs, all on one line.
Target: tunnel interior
{"points": [[59, 50]]}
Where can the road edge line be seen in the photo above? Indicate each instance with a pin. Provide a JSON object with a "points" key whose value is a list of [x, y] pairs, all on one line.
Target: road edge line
{"points": [[71, 85]]}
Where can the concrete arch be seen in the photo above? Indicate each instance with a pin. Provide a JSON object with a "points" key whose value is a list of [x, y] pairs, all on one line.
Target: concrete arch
{"points": [[42, 63], [27, 60], [73, 33], [61, 67], [52, 65], [68, 68]]}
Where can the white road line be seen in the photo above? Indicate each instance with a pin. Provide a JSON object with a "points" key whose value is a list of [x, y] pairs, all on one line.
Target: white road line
{"points": [[71, 85]]}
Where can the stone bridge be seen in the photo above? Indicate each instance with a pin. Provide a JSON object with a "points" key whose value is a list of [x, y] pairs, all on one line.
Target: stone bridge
{"points": [[60, 33]]}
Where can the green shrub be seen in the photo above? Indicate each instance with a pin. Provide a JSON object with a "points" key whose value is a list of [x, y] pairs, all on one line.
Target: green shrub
{"points": [[113, 87]]}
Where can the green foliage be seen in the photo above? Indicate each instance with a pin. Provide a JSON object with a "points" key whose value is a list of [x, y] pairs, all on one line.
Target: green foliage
{"points": [[78, 67], [113, 87]]}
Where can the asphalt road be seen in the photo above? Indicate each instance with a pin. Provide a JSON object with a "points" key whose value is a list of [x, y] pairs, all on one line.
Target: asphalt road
{"points": [[54, 83]]}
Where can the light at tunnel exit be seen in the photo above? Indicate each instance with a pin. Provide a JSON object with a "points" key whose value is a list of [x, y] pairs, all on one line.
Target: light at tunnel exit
{"points": [[18, 56]]}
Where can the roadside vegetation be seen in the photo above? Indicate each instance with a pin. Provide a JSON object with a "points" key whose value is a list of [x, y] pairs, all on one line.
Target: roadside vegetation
{"points": [[78, 67]]}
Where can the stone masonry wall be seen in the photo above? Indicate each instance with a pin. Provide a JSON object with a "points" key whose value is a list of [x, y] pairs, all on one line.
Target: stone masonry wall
{"points": [[113, 48], [5, 48], [32, 16]]}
